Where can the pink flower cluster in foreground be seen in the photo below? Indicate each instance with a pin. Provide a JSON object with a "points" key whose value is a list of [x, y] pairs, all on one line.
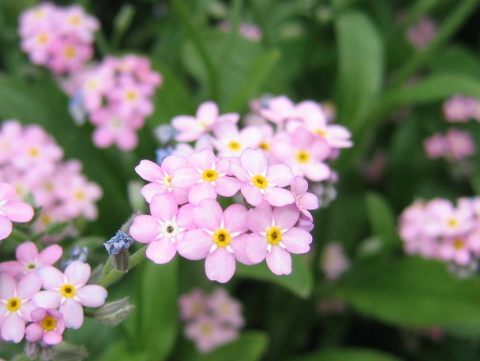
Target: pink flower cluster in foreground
{"points": [[116, 95], [185, 216], [460, 109], [212, 320], [11, 210], [31, 161], [60, 38], [442, 230], [455, 145], [42, 315]]}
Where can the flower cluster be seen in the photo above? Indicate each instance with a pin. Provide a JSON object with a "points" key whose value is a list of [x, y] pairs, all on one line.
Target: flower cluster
{"points": [[461, 109], [212, 320], [42, 315], [441, 230], [422, 33], [454, 145], [31, 161], [11, 210], [117, 97], [334, 262], [59, 38]]}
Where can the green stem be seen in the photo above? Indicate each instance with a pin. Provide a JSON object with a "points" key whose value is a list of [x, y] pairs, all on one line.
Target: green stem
{"points": [[18, 236], [102, 44], [113, 275], [448, 29], [197, 42]]}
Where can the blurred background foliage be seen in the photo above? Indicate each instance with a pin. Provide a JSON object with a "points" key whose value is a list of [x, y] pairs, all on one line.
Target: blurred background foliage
{"points": [[353, 53]]}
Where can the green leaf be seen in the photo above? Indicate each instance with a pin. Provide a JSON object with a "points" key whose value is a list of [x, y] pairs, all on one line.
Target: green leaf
{"points": [[300, 281], [411, 292], [381, 217], [360, 68], [456, 59], [250, 346], [432, 88], [348, 354], [120, 352], [157, 309]]}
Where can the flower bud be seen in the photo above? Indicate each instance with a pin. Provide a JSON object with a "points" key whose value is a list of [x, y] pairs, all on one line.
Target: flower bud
{"points": [[112, 313]]}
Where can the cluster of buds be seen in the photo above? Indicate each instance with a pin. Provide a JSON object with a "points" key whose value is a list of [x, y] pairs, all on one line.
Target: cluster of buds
{"points": [[59, 38], [31, 161], [38, 301], [455, 145], [116, 95], [461, 109], [440, 230], [212, 320]]}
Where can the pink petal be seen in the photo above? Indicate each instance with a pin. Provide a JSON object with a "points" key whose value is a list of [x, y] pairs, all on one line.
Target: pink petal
{"points": [[150, 189], [286, 217], [195, 244], [52, 277], [256, 248], [145, 229], [299, 185], [72, 312], [279, 261], [308, 201], [52, 338], [183, 122], [204, 159], [239, 172], [50, 255], [252, 194], [7, 191], [77, 273], [279, 197], [185, 217], [220, 265], [34, 332], [47, 299], [38, 314], [18, 211], [29, 285], [208, 214], [163, 207], [280, 174], [297, 240], [148, 170], [235, 217], [7, 286], [92, 295], [260, 217], [173, 162], [185, 177], [5, 227], [227, 186], [208, 112], [317, 171], [27, 252], [13, 328], [26, 310], [254, 160], [201, 191], [161, 251], [13, 268]]}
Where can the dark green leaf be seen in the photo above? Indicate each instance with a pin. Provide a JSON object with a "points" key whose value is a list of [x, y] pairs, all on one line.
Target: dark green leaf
{"points": [[381, 217], [348, 354]]}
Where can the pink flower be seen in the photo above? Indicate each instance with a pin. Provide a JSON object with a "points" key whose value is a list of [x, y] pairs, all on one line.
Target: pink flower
{"points": [[205, 177], [69, 292], [435, 146], [80, 197], [460, 144], [160, 178], [226, 309], [11, 211], [75, 21], [304, 200], [28, 259], [191, 128], [455, 249], [164, 228], [68, 55], [261, 181], [192, 305], [219, 238], [333, 261], [304, 153], [208, 333], [230, 141], [275, 236], [48, 326], [16, 304], [459, 109], [422, 33]]}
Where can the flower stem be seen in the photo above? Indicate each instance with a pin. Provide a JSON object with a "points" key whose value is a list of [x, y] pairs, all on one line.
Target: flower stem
{"points": [[110, 275]]}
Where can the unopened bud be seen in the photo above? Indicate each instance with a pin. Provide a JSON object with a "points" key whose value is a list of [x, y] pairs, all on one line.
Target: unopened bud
{"points": [[117, 247], [67, 352], [46, 353], [112, 313], [32, 349]]}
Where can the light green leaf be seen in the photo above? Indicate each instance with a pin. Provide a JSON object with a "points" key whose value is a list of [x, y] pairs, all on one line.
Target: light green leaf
{"points": [[120, 352], [381, 217], [300, 281], [348, 354], [360, 68], [411, 292]]}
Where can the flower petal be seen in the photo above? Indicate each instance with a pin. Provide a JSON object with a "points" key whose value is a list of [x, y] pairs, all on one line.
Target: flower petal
{"points": [[286, 217], [92, 295], [50, 255], [27, 252], [297, 240], [235, 217], [18, 211], [77, 273], [279, 261], [163, 207], [260, 217], [279, 197], [47, 299], [161, 251], [208, 215], [220, 265], [195, 244], [29, 285], [5, 227], [52, 277], [13, 328], [72, 312], [145, 229], [255, 248]]}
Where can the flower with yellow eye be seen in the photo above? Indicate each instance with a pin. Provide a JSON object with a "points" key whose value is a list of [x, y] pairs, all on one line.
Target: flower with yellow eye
{"points": [[48, 326]]}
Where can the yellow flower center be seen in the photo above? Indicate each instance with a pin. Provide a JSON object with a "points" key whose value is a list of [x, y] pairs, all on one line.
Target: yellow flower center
{"points": [[92, 84], [33, 152], [75, 20], [30, 266], [68, 291], [452, 223], [233, 145], [274, 236], [210, 175], [45, 219], [265, 146], [458, 243], [259, 181], [38, 14], [80, 195], [221, 237], [303, 156], [131, 95], [43, 38], [70, 52], [49, 323], [167, 180], [206, 329], [13, 304], [321, 132]]}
